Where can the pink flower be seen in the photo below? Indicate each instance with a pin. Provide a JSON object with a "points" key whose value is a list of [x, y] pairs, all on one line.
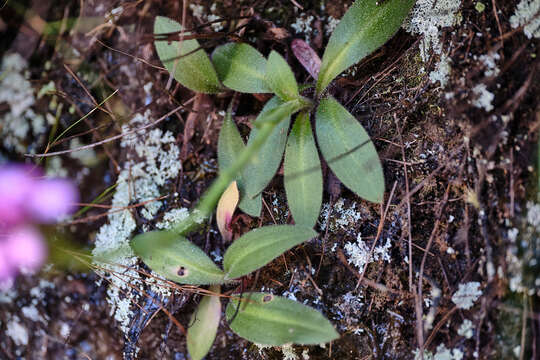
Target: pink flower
{"points": [[15, 182], [50, 199], [26, 199], [25, 250]]}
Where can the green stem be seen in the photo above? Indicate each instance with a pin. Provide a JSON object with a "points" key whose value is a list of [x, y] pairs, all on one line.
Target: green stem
{"points": [[209, 200]]}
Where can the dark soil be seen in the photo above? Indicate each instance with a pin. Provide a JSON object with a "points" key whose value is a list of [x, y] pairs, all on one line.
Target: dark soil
{"points": [[470, 175]]}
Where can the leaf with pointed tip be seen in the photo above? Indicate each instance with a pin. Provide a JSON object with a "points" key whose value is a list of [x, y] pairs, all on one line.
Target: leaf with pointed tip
{"points": [[365, 27], [302, 173], [280, 77], [274, 320], [306, 56], [230, 144], [258, 247], [175, 258], [191, 68], [204, 324], [264, 165], [348, 150], [241, 67]]}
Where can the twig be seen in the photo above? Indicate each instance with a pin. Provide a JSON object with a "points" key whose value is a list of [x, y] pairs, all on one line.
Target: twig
{"points": [[108, 140]]}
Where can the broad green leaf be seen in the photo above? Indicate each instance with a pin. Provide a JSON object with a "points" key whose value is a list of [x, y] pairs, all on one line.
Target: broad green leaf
{"points": [[348, 150], [273, 320], [203, 325], [258, 247], [175, 258], [264, 165], [230, 144], [241, 67], [365, 27], [194, 71], [302, 173], [280, 77]]}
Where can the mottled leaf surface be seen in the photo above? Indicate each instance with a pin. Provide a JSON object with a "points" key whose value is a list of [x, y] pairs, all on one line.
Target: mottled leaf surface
{"points": [[273, 320], [349, 151]]}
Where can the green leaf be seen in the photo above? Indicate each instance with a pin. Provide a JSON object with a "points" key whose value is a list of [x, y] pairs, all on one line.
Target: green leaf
{"points": [[302, 173], [204, 325], [348, 150], [230, 144], [364, 28], [264, 165], [241, 67], [280, 77], [194, 71], [175, 258], [258, 247], [273, 320]]}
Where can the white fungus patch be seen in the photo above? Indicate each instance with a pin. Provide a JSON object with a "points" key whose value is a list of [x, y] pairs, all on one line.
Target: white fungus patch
{"points": [[467, 294], [466, 329], [427, 18], [152, 160], [483, 98], [528, 14], [20, 121]]}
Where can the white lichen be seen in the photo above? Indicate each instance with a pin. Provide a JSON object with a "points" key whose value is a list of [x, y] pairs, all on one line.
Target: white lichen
{"points": [[427, 18], [302, 25], [342, 216], [441, 353], [288, 352], [359, 253], [527, 14], [330, 26], [199, 13], [483, 98], [20, 121], [153, 159], [16, 331], [87, 157], [442, 71], [466, 329], [467, 294], [172, 217], [490, 63]]}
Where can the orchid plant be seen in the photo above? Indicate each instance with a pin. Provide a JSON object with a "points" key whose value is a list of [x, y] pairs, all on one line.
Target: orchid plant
{"points": [[345, 145]]}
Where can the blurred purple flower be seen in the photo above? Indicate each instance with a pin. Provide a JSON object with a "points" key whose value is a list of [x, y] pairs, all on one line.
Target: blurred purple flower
{"points": [[15, 182], [50, 199], [27, 199]]}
